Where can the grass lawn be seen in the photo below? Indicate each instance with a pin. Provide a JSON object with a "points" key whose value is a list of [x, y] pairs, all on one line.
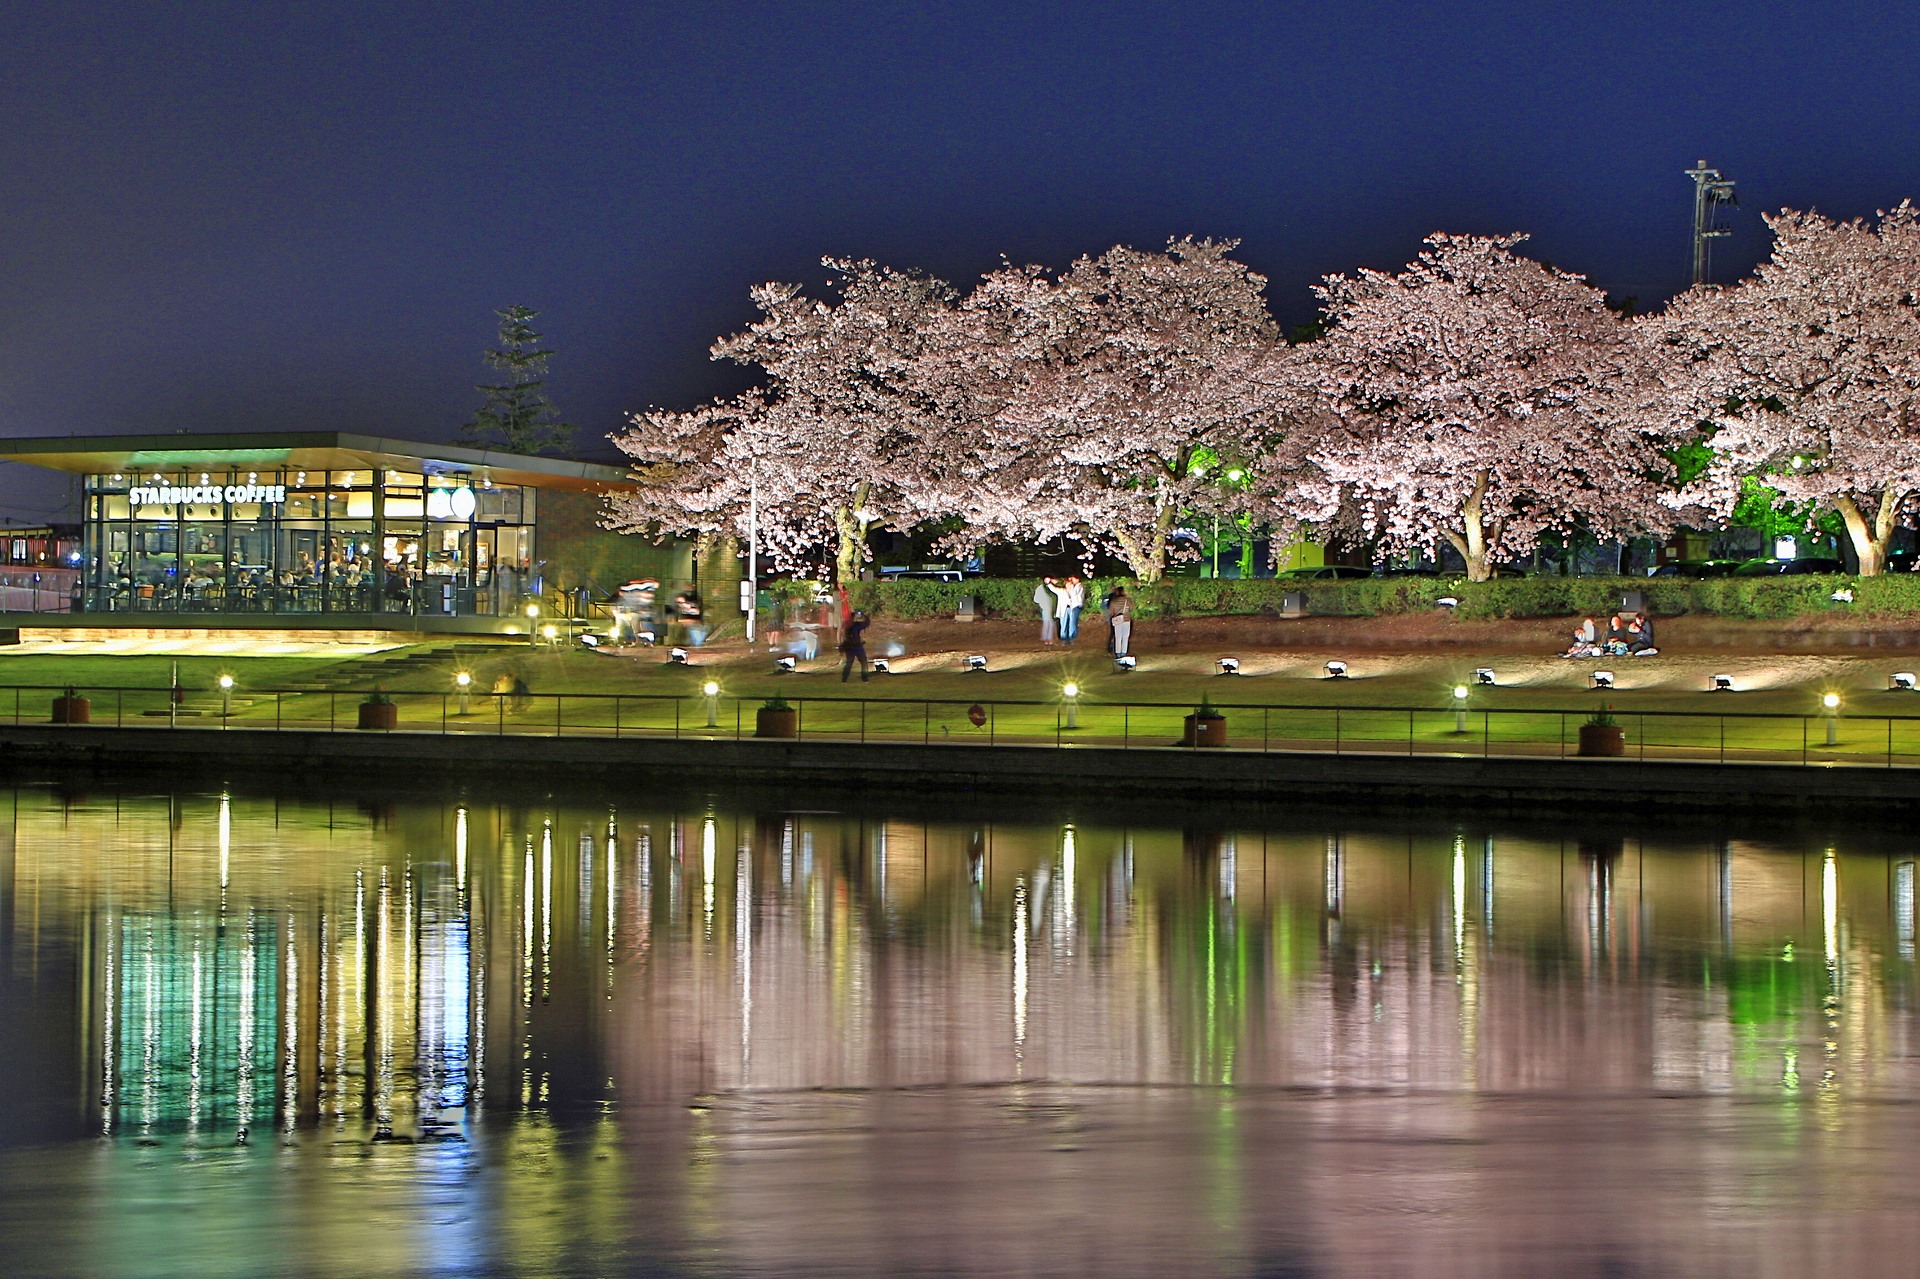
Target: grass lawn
{"points": [[1282, 700]]}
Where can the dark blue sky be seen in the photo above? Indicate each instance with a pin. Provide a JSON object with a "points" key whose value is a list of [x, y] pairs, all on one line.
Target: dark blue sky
{"points": [[276, 216]]}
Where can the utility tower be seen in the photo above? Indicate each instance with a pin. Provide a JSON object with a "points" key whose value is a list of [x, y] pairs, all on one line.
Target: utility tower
{"points": [[1710, 193]]}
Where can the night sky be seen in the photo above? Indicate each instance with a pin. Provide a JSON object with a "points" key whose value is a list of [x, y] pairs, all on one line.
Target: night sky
{"points": [[264, 217]]}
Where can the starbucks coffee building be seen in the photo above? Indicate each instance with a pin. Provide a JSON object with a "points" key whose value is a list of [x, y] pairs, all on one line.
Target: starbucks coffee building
{"points": [[305, 526]]}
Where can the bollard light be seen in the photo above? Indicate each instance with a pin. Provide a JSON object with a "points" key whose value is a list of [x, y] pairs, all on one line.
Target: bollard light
{"points": [[464, 682], [1460, 708], [226, 696], [1600, 680], [1447, 601], [712, 693], [1831, 702], [1071, 692], [550, 632], [1336, 669]]}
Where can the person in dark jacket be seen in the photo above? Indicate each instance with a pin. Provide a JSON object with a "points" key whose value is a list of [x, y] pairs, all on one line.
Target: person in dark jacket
{"points": [[853, 642]]}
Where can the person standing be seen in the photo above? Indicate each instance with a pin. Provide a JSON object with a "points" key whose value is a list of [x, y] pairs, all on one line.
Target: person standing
{"points": [[1073, 598], [1120, 620], [1045, 600], [853, 643]]}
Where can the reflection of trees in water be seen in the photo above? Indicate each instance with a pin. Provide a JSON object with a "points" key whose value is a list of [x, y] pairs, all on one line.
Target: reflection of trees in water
{"points": [[249, 965]]}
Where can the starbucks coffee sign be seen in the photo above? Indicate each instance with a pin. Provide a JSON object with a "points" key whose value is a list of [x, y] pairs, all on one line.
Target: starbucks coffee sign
{"points": [[207, 494]]}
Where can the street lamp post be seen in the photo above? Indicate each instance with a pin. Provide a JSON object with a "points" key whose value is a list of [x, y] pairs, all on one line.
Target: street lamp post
{"points": [[1459, 708], [1071, 692], [464, 682], [711, 691], [1831, 704]]}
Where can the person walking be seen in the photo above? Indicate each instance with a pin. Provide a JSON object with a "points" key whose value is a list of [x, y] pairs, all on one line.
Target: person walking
{"points": [[1120, 620], [1045, 600], [853, 643]]}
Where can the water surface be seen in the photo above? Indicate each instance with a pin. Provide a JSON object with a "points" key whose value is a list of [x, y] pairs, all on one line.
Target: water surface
{"points": [[708, 1035]]}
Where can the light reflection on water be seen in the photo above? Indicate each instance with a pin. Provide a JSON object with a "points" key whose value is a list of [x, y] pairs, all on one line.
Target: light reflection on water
{"points": [[605, 1037]]}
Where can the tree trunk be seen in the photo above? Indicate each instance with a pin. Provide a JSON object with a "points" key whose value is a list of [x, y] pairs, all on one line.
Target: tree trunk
{"points": [[850, 537], [1870, 543], [1471, 541]]}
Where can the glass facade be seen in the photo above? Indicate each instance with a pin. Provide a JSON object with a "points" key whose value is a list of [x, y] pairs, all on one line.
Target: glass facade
{"points": [[246, 540]]}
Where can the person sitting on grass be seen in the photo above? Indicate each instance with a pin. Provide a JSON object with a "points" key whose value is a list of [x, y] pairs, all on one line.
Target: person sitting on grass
{"points": [[1586, 638], [1640, 636]]}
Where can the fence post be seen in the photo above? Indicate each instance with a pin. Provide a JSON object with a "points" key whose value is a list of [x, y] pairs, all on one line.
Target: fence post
{"points": [[926, 723], [1563, 734], [277, 707], [617, 699], [1889, 741], [443, 714], [559, 720], [1803, 739], [863, 721], [120, 716], [332, 723], [1640, 731], [499, 715], [676, 719], [1409, 729], [1723, 739], [1126, 726], [1265, 744], [1486, 733]]}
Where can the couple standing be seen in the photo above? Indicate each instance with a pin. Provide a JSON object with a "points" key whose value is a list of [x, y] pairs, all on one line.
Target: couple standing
{"points": [[1060, 604]]}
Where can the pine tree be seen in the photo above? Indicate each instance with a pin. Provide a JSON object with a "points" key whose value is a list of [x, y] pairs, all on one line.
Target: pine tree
{"points": [[517, 414]]}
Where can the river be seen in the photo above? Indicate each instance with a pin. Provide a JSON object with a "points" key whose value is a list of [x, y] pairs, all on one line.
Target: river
{"points": [[629, 1032]]}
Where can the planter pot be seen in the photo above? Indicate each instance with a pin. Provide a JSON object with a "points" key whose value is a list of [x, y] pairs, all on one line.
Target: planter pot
{"points": [[384, 716], [72, 710], [768, 722], [1603, 739], [1206, 730]]}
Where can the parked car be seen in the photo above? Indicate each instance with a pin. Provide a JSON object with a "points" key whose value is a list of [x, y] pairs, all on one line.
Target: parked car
{"points": [[1695, 568], [925, 575], [1406, 572], [1323, 573], [1793, 567]]}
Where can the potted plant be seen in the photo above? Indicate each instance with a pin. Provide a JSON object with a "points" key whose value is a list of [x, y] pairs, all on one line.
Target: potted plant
{"points": [[71, 708], [1603, 735], [776, 718], [1206, 726], [378, 711]]}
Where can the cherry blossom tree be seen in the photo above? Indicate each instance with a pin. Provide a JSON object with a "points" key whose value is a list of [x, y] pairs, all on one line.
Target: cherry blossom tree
{"points": [[1810, 373], [830, 446], [1483, 398], [1104, 403]]}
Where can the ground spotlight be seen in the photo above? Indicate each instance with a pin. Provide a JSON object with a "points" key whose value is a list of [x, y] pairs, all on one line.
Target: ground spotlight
{"points": [[1126, 662], [677, 656], [1229, 665], [977, 662], [785, 665], [1903, 682], [1600, 679], [1483, 675], [590, 639], [1447, 601], [648, 638], [1842, 596], [1720, 684], [1336, 669], [882, 667]]}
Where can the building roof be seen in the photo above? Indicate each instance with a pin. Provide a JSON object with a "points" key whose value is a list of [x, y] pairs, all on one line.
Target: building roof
{"points": [[307, 451]]}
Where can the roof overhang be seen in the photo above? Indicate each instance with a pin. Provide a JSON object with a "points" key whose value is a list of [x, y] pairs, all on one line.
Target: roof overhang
{"points": [[306, 451]]}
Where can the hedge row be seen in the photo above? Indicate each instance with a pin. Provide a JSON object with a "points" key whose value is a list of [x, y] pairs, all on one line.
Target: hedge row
{"points": [[1894, 595]]}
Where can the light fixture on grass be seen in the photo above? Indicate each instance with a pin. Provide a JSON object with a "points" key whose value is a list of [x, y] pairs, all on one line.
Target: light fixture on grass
{"points": [[1831, 704], [590, 639], [1842, 596], [1720, 684], [882, 667], [785, 665], [1336, 669], [463, 681], [1483, 675], [1125, 662], [1071, 692], [977, 662], [550, 632], [1903, 682], [711, 692], [1447, 601], [677, 656], [1600, 679], [1229, 665], [1831, 701], [1460, 708]]}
